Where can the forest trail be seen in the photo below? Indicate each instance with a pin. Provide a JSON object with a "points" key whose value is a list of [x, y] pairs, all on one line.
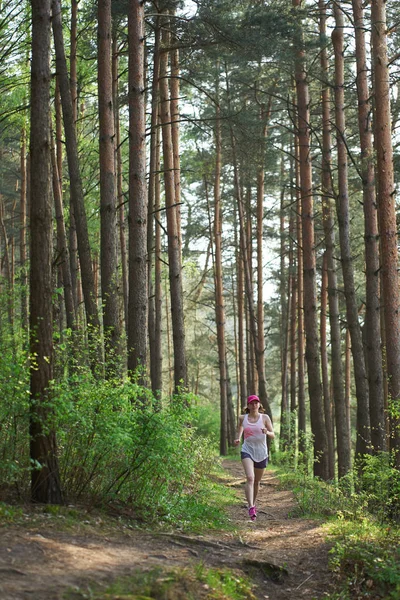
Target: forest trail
{"points": [[290, 555]]}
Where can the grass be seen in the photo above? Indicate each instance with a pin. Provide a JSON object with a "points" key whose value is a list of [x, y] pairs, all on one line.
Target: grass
{"points": [[365, 557], [191, 583]]}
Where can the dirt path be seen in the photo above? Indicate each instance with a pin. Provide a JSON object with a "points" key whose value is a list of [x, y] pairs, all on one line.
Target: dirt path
{"points": [[286, 558]]}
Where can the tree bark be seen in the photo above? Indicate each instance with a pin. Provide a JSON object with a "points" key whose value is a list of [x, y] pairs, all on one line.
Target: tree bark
{"points": [[218, 279], [45, 480], [76, 191], [325, 368], [108, 214], [363, 440], [342, 439], [387, 214], [22, 234], [371, 234], [153, 232], [300, 311], [62, 244], [321, 468], [138, 301], [120, 193], [174, 251]]}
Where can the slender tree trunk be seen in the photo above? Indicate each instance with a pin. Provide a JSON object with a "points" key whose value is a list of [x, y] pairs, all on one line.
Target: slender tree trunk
{"points": [[153, 232], [174, 253], [284, 287], [22, 235], [7, 263], [265, 113], [45, 480], [343, 440], [293, 319], [325, 369], [108, 214], [76, 190], [321, 467], [62, 244], [241, 323], [73, 82], [347, 378], [218, 278], [343, 215], [300, 312], [120, 193], [387, 214], [138, 301], [175, 118], [372, 318]]}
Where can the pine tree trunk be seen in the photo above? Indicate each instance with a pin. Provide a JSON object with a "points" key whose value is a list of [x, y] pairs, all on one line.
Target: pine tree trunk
{"points": [[343, 440], [300, 312], [76, 190], [138, 301], [62, 244], [174, 251], [387, 214], [218, 279], [293, 321], [120, 193], [73, 80], [325, 368], [22, 234], [241, 323], [371, 233], [175, 117], [108, 214], [153, 233], [342, 208], [284, 292], [321, 467], [45, 481]]}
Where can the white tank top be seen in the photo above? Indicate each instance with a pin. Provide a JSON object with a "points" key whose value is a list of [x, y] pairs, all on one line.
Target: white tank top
{"points": [[255, 441]]}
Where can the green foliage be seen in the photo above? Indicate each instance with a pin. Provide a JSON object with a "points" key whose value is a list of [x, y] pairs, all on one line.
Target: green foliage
{"points": [[362, 510], [180, 584], [366, 558], [379, 486], [116, 447]]}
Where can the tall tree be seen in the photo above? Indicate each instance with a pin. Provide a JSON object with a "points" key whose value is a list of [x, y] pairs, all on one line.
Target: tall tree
{"points": [[342, 437], [45, 480], [174, 246], [137, 318], [387, 213], [309, 262], [76, 191], [371, 234], [346, 256], [108, 215], [153, 230]]}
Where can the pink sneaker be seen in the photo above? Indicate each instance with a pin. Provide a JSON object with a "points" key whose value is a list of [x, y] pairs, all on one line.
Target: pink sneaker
{"points": [[253, 513]]}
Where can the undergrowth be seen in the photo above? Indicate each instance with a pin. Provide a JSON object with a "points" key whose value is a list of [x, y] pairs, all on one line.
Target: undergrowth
{"points": [[192, 583], [117, 449], [362, 522]]}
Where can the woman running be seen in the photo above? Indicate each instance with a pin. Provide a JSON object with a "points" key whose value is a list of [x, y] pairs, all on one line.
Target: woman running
{"points": [[254, 452]]}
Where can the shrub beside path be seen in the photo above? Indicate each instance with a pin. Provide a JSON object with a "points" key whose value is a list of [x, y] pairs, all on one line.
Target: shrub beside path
{"points": [[286, 558]]}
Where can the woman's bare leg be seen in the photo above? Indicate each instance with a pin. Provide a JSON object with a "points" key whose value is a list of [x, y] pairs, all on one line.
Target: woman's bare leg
{"points": [[258, 473], [248, 467]]}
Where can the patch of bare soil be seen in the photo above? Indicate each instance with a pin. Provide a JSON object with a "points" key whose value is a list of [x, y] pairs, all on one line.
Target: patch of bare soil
{"points": [[286, 558]]}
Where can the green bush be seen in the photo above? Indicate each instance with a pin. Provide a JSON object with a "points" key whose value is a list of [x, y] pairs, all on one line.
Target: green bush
{"points": [[116, 447], [366, 558]]}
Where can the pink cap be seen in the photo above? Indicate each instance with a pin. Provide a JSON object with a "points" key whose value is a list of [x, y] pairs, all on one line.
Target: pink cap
{"points": [[251, 399]]}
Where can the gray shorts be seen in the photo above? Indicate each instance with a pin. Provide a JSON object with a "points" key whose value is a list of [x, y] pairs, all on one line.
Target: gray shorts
{"points": [[257, 465]]}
